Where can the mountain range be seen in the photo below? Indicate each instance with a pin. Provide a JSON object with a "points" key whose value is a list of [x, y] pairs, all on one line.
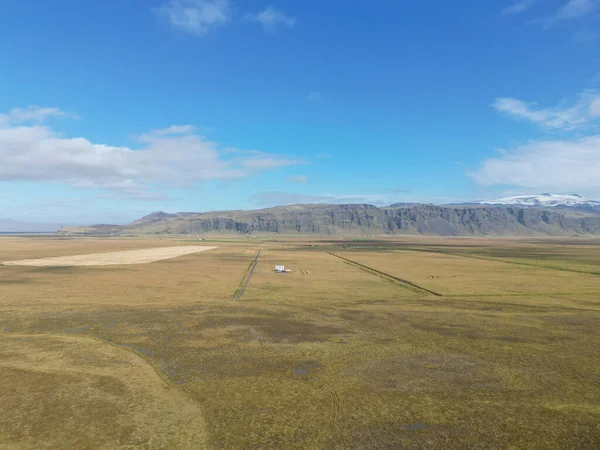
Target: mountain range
{"points": [[572, 205], [480, 219]]}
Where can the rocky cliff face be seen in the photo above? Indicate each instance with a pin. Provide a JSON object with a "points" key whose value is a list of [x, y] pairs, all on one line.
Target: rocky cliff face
{"points": [[489, 221], [368, 219]]}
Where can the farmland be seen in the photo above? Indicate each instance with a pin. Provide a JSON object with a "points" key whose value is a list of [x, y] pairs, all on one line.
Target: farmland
{"points": [[111, 258], [385, 343]]}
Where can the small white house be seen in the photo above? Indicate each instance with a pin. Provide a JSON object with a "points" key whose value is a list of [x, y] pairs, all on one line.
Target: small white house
{"points": [[279, 269]]}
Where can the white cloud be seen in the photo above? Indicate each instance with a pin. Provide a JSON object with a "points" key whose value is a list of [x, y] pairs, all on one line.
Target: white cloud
{"points": [[297, 179], [585, 36], [263, 161], [270, 18], [571, 10], [314, 97], [172, 130], [275, 198], [31, 114], [173, 156], [560, 118], [135, 194], [574, 9], [555, 165], [518, 7], [595, 108], [196, 17]]}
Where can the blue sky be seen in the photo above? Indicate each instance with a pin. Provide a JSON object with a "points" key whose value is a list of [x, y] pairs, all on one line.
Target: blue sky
{"points": [[110, 110]]}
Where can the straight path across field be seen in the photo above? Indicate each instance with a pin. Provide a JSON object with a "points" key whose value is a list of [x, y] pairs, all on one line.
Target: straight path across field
{"points": [[455, 275], [331, 279], [206, 276], [247, 276], [404, 283], [565, 264]]}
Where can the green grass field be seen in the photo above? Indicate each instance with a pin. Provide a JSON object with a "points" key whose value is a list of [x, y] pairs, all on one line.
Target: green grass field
{"points": [[330, 356]]}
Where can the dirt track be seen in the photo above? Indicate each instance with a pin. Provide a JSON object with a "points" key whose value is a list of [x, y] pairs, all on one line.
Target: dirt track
{"points": [[144, 256], [247, 276]]}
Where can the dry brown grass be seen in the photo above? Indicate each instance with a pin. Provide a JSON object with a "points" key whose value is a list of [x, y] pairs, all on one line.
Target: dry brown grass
{"points": [[327, 276], [336, 359], [125, 257], [456, 275], [14, 248], [211, 276], [77, 392]]}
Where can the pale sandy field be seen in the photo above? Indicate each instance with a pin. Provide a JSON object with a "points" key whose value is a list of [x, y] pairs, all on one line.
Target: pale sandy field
{"points": [[144, 256]]}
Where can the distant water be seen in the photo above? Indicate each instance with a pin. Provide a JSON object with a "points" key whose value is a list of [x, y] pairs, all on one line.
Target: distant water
{"points": [[25, 232]]}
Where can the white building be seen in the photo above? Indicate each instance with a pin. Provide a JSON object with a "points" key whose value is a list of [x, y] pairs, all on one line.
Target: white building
{"points": [[279, 268]]}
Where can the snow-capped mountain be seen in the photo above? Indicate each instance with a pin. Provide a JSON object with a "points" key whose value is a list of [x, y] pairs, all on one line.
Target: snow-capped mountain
{"points": [[545, 201]]}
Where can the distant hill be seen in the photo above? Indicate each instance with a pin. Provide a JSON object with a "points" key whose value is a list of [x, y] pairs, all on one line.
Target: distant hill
{"points": [[360, 219]]}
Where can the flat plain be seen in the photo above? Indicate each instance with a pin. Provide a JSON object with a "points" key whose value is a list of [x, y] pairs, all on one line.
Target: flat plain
{"points": [[144, 256], [367, 344]]}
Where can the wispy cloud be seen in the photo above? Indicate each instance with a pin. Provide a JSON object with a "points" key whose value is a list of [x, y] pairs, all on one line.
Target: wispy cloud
{"points": [[314, 97], [174, 156], [255, 160], [57, 204], [32, 114], [271, 18], [297, 179], [586, 36], [195, 17], [560, 118], [518, 7], [571, 10], [559, 165], [138, 195], [170, 131], [276, 198], [594, 109]]}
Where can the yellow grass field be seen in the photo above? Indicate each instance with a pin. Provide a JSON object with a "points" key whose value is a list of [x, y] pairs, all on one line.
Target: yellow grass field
{"points": [[316, 276], [64, 391], [456, 275], [334, 355]]}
